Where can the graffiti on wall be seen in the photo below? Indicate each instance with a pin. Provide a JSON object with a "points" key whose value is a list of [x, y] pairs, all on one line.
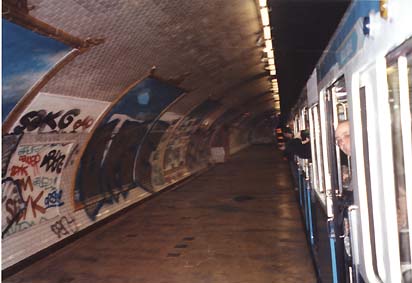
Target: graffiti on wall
{"points": [[31, 189], [189, 149], [169, 119], [9, 144], [62, 114], [175, 152], [110, 164], [26, 57], [64, 226]]}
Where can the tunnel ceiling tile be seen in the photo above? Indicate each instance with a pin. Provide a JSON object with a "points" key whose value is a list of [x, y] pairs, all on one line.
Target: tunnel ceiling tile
{"points": [[210, 46]]}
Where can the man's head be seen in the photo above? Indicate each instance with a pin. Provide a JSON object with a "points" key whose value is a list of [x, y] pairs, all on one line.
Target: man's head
{"points": [[342, 136], [287, 133], [304, 135]]}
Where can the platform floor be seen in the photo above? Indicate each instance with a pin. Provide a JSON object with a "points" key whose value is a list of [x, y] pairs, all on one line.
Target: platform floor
{"points": [[237, 223]]}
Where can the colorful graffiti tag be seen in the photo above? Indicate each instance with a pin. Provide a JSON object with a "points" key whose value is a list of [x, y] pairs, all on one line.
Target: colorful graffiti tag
{"points": [[63, 114], [31, 189]]}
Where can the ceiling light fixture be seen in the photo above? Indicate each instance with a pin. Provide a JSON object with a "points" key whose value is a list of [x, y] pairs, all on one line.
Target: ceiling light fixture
{"points": [[266, 33], [268, 45], [264, 13], [262, 3], [270, 67]]}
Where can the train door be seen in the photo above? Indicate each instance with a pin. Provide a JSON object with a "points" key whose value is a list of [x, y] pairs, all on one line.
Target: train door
{"points": [[367, 181], [320, 241], [318, 180], [399, 79], [376, 236], [335, 111], [342, 178], [305, 173]]}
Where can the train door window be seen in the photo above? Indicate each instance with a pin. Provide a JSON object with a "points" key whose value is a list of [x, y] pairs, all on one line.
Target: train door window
{"points": [[340, 114], [343, 161], [305, 127], [319, 152], [296, 125], [314, 149], [326, 117], [399, 92], [306, 119]]}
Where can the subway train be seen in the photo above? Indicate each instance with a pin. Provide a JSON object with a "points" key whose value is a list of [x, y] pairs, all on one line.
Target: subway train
{"points": [[357, 208]]}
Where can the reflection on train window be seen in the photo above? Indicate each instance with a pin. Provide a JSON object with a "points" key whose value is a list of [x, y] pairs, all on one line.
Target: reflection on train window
{"points": [[394, 93]]}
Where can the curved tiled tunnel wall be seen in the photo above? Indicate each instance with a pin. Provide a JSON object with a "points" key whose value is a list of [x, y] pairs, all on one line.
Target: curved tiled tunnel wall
{"points": [[49, 133], [177, 146]]}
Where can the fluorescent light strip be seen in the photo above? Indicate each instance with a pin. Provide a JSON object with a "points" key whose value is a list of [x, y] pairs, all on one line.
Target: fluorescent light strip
{"points": [[266, 33], [264, 13], [268, 44], [262, 3]]}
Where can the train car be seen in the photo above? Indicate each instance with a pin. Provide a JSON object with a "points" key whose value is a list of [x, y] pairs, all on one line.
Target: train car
{"points": [[358, 206]]}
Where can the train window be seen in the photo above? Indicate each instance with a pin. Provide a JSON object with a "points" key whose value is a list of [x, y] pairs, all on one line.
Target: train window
{"points": [[305, 118], [341, 114], [335, 112], [408, 166], [314, 172], [408, 147], [410, 82], [305, 127], [319, 150], [400, 126], [296, 125]]}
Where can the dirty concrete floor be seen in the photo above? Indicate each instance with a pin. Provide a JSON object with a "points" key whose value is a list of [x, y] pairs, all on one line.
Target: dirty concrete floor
{"points": [[237, 223]]}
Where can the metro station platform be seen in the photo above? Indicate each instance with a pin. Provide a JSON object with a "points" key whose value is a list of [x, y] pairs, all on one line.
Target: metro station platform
{"points": [[239, 222]]}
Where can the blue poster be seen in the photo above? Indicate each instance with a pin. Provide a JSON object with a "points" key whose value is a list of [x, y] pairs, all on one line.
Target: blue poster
{"points": [[111, 159], [26, 57]]}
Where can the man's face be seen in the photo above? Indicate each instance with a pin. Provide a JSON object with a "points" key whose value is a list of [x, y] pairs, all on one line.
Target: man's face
{"points": [[342, 136]]}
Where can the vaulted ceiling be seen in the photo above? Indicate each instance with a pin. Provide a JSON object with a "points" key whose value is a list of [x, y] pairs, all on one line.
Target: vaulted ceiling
{"points": [[208, 48], [211, 49]]}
